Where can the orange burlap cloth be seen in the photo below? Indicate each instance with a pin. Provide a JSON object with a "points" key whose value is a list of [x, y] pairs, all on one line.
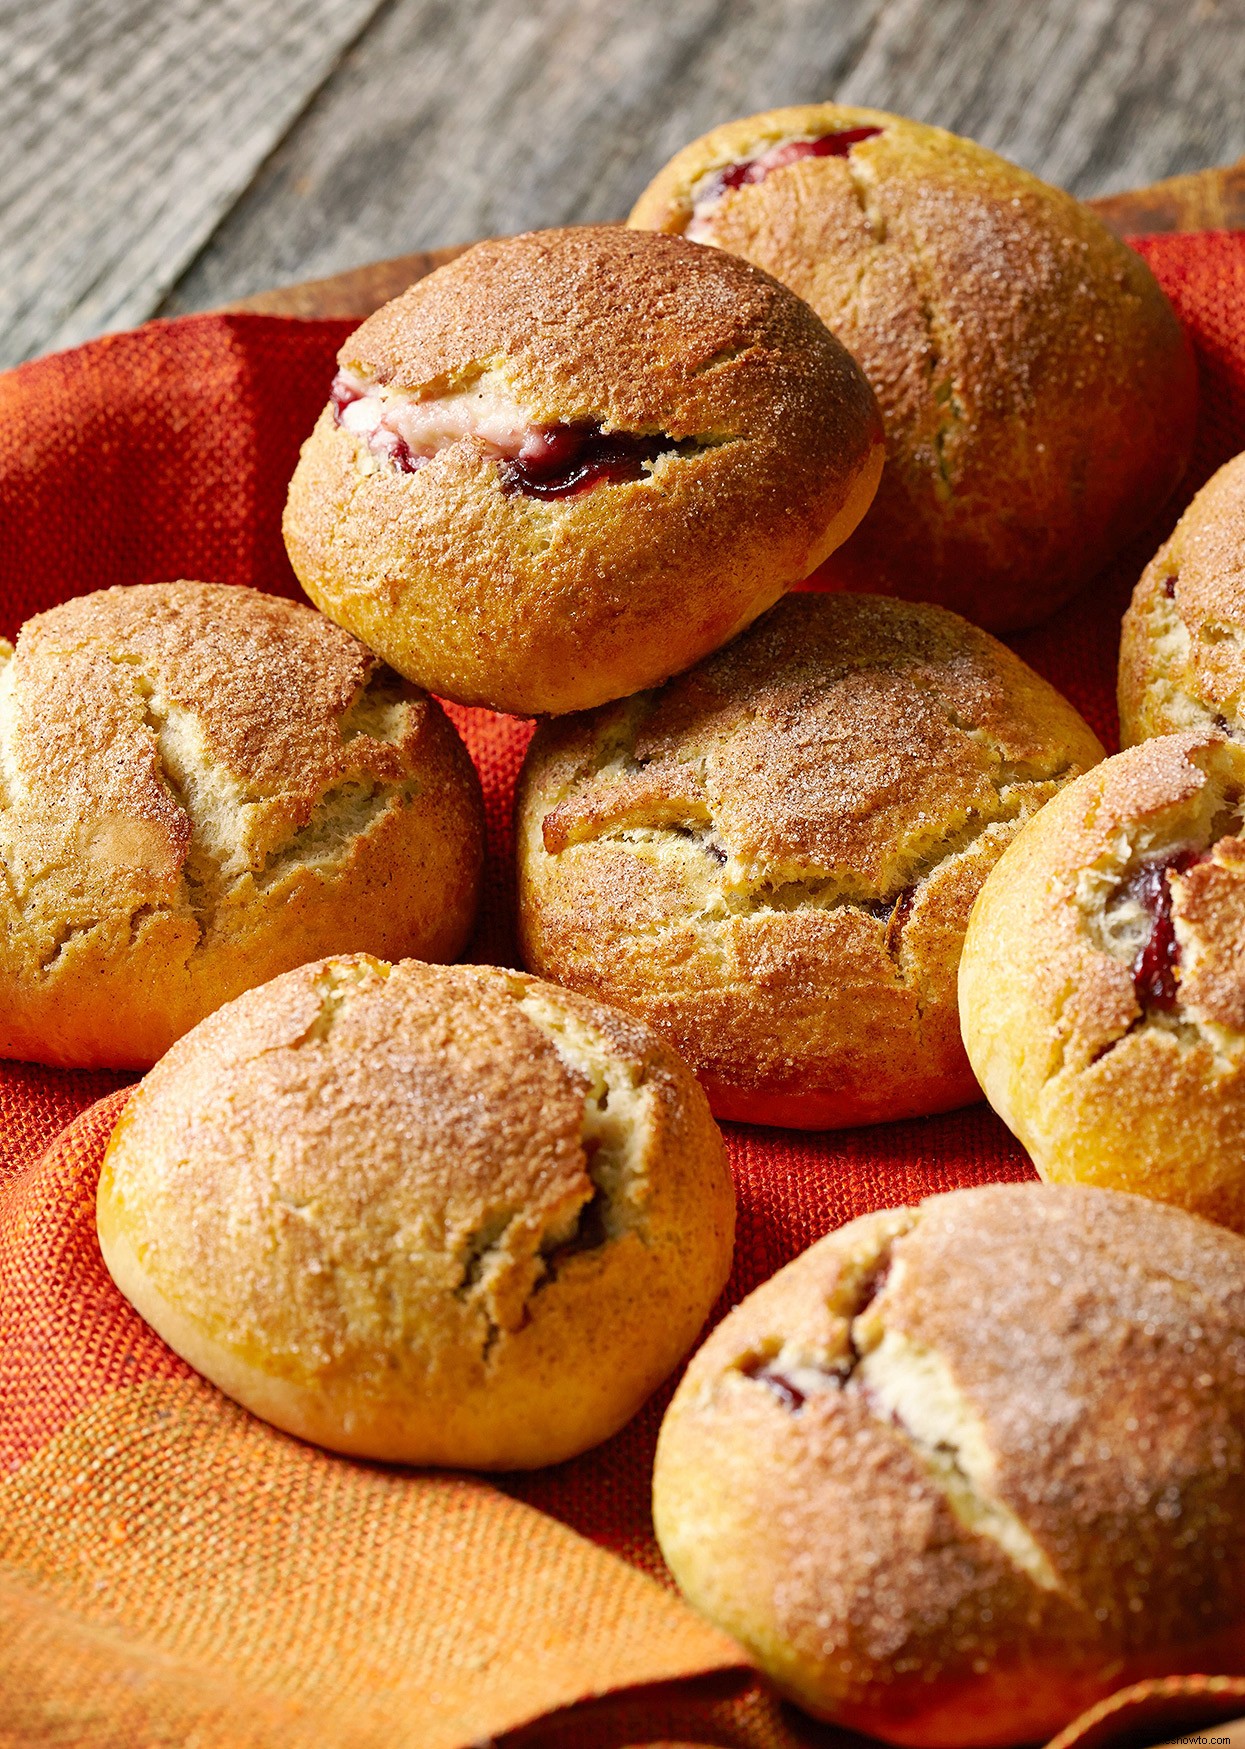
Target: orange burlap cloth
{"points": [[174, 1572]]}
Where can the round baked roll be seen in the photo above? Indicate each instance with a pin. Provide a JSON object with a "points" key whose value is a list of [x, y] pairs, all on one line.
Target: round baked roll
{"points": [[571, 463], [1102, 989], [773, 857], [434, 1215], [201, 786], [1182, 653], [1036, 388], [961, 1470]]}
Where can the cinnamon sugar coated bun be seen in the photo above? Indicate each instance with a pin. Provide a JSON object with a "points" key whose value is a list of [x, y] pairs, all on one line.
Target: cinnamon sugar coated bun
{"points": [[433, 1215], [1182, 653], [570, 463], [962, 1470], [773, 857], [200, 787], [1036, 388], [1102, 989]]}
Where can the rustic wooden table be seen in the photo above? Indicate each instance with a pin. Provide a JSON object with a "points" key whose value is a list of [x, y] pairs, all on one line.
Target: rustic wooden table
{"points": [[163, 157]]}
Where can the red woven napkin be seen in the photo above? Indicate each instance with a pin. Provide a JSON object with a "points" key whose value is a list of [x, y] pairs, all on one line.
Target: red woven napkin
{"points": [[166, 453]]}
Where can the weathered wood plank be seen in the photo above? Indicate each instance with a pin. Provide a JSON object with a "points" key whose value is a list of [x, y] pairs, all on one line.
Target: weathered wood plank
{"points": [[1204, 200], [130, 127], [454, 121], [1096, 95], [448, 123], [177, 155]]}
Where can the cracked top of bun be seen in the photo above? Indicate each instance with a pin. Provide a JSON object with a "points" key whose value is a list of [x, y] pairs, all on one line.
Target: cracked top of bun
{"points": [[266, 681], [570, 463], [773, 856], [1064, 893], [1102, 987], [198, 780], [411, 1184], [641, 332], [998, 1431], [841, 734], [1037, 389]]}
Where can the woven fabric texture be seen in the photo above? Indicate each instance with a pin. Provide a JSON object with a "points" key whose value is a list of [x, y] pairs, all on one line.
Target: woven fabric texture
{"points": [[172, 1571]]}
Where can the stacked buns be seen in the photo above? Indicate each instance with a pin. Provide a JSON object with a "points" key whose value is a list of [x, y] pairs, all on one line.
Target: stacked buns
{"points": [[960, 1468], [1101, 990]]}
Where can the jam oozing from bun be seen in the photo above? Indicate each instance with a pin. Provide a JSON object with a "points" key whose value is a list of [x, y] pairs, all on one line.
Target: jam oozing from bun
{"points": [[557, 461], [342, 394], [752, 170], [785, 1389], [539, 461], [843, 1371], [1154, 969]]}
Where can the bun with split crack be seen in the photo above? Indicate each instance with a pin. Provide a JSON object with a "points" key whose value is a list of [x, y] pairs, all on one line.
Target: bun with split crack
{"points": [[570, 463], [962, 1470], [772, 858], [1102, 989], [432, 1215], [1037, 389], [200, 787]]}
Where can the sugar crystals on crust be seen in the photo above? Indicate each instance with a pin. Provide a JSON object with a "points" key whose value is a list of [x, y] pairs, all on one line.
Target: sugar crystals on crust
{"points": [[570, 463], [201, 786], [773, 857]]}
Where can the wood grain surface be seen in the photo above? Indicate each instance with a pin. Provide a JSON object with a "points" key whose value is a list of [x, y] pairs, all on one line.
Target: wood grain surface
{"points": [[130, 128], [1205, 200], [162, 157]]}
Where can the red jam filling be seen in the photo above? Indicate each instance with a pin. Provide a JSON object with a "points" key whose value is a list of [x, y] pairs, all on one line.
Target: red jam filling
{"points": [[756, 169], [383, 442], [342, 394], [784, 1388], [557, 461], [789, 1394], [1154, 969]]}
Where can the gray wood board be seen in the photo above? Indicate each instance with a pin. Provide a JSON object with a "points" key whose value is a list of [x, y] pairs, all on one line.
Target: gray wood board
{"points": [[166, 157], [130, 129], [450, 122]]}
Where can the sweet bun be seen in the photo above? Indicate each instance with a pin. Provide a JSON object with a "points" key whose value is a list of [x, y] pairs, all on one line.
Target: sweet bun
{"points": [[961, 1470], [1036, 388], [773, 857], [200, 787], [434, 1215], [1102, 988], [570, 463], [1182, 653]]}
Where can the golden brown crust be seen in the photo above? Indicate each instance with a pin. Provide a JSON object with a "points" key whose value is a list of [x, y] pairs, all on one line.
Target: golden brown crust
{"points": [[1017, 1476], [201, 786], [1103, 1083], [536, 606], [1036, 388], [773, 858], [1182, 650], [433, 1215]]}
